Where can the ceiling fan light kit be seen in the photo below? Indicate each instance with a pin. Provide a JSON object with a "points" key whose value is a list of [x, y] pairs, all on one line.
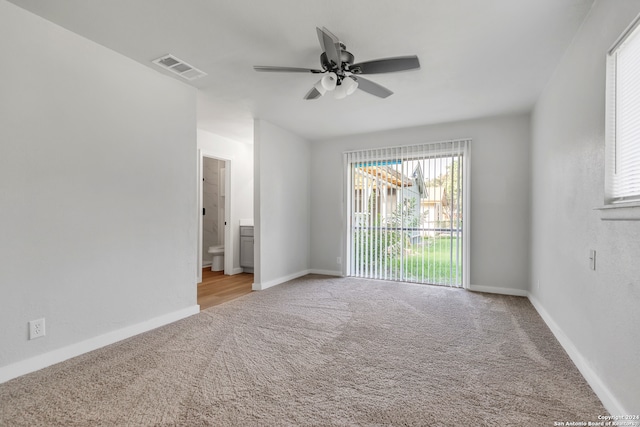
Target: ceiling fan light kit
{"points": [[340, 92], [341, 75], [329, 81], [350, 85]]}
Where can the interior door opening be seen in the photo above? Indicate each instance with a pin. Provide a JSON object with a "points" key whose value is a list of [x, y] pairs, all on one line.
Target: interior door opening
{"points": [[213, 213], [214, 240]]}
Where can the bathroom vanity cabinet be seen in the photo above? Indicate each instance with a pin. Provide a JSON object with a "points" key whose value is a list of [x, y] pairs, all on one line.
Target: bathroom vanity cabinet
{"points": [[246, 248]]}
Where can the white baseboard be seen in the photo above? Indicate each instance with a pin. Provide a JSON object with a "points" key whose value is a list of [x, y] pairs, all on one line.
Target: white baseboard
{"points": [[264, 285], [41, 361], [603, 392], [326, 272], [497, 290]]}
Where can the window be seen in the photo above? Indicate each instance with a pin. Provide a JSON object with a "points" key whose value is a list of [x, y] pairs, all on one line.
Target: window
{"points": [[406, 210], [622, 170]]}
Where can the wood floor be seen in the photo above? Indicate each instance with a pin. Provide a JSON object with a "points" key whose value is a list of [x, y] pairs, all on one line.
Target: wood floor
{"points": [[217, 288]]}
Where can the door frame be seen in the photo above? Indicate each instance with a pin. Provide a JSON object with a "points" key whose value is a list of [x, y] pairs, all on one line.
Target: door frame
{"points": [[466, 215], [228, 241]]}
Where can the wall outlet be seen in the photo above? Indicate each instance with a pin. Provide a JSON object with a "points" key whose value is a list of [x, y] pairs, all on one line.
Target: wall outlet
{"points": [[338, 260], [36, 329]]}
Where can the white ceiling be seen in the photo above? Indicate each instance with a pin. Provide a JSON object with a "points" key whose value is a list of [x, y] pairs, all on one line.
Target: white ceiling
{"points": [[478, 58]]}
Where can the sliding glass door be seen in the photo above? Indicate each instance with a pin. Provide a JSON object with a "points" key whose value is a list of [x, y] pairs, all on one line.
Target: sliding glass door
{"points": [[406, 211]]}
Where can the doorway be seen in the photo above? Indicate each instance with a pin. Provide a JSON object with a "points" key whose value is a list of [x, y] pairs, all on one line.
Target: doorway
{"points": [[214, 211], [407, 210], [213, 218]]}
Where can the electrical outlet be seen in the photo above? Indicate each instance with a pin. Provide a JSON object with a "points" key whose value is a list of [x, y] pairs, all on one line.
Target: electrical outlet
{"points": [[36, 329], [338, 260]]}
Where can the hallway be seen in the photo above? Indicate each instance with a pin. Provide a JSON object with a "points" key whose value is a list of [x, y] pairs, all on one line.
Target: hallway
{"points": [[216, 288]]}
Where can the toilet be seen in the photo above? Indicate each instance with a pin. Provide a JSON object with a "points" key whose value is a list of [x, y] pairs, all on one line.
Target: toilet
{"points": [[217, 260]]}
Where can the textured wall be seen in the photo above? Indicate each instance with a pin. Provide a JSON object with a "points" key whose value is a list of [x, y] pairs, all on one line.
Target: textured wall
{"points": [[499, 195], [282, 204], [596, 310], [97, 189]]}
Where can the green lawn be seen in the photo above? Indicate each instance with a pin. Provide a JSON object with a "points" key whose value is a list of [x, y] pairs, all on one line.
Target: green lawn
{"points": [[426, 262], [433, 262]]}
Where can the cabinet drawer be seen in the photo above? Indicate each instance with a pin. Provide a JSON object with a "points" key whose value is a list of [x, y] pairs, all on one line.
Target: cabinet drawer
{"points": [[246, 231]]}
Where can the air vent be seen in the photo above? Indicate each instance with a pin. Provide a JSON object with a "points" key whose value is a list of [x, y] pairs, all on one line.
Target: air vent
{"points": [[179, 67]]}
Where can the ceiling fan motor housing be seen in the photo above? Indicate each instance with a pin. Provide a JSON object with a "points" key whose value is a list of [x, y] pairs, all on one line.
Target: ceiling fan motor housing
{"points": [[346, 57]]}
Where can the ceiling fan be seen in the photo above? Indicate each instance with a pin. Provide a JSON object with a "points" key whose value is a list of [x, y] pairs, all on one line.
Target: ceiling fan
{"points": [[341, 75]]}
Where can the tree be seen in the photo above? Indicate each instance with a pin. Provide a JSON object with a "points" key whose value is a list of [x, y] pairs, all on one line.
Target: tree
{"points": [[451, 191], [452, 202], [380, 241], [371, 239]]}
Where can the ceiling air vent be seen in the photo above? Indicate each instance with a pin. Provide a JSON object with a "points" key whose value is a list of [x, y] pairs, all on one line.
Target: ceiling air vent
{"points": [[179, 67]]}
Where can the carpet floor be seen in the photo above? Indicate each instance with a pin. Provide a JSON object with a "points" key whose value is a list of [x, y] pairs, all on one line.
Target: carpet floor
{"points": [[321, 351]]}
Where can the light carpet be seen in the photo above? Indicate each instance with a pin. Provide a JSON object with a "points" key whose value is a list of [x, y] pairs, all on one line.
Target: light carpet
{"points": [[324, 352]]}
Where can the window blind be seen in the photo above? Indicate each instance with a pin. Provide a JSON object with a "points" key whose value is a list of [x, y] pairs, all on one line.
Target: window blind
{"points": [[406, 208], [624, 116]]}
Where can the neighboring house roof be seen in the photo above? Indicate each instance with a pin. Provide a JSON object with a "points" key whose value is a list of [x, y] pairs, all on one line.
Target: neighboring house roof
{"points": [[418, 178], [392, 177]]}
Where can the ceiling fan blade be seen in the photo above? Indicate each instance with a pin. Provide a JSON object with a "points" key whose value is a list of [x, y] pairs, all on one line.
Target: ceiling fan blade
{"points": [[269, 68], [371, 87], [386, 65], [313, 94], [321, 39], [330, 45]]}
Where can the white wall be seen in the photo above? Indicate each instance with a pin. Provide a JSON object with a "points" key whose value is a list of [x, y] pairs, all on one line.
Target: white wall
{"points": [[597, 311], [499, 195], [282, 213], [241, 156], [97, 191]]}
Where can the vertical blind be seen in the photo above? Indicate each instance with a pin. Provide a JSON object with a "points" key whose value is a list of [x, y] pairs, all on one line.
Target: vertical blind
{"points": [[405, 213], [624, 113]]}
